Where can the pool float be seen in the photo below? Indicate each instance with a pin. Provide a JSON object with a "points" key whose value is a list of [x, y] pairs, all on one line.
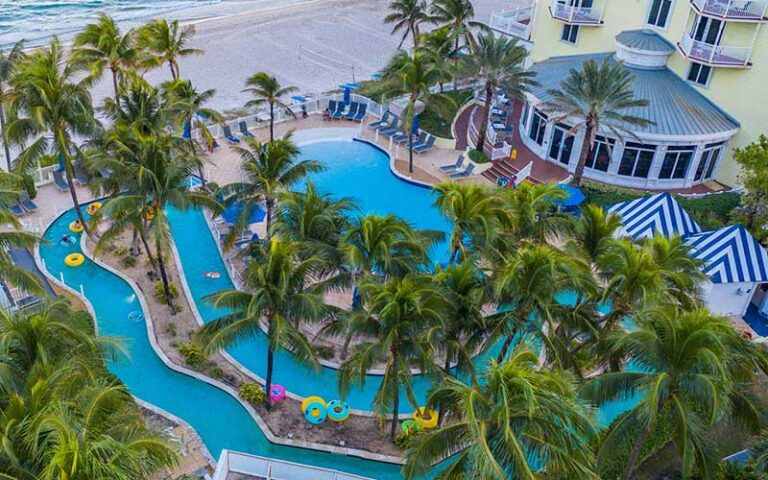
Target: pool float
{"points": [[93, 208], [338, 411], [426, 418], [212, 275], [136, 316], [409, 425], [76, 227], [277, 393], [314, 409], [149, 214], [74, 259]]}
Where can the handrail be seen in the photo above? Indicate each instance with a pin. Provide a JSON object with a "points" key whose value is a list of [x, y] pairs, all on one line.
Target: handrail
{"points": [[575, 14], [724, 55], [272, 469], [733, 9]]}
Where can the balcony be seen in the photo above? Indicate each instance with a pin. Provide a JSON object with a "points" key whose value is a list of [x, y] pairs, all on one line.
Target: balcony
{"points": [[516, 23], [575, 15], [714, 55], [747, 11]]}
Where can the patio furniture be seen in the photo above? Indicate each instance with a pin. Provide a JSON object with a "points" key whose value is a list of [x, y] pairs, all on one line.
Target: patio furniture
{"points": [[360, 113], [61, 183], [454, 166], [466, 173], [425, 146], [228, 135], [352, 111], [384, 121], [244, 129]]}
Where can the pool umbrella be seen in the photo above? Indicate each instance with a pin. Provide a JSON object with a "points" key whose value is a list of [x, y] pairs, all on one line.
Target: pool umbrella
{"points": [[415, 126], [575, 196], [299, 98], [232, 212]]}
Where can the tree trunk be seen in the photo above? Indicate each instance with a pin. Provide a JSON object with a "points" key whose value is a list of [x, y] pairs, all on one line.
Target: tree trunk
{"points": [[114, 84], [75, 201], [629, 470], [455, 62], [164, 278], [396, 398], [174, 73], [586, 151], [504, 348], [484, 122], [5, 140], [135, 243], [268, 218], [150, 257], [271, 122], [270, 366], [410, 152]]}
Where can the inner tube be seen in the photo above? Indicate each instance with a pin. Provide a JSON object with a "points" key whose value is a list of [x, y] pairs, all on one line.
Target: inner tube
{"points": [[149, 213], [93, 208], [76, 227], [277, 393], [409, 425], [136, 316], [315, 410], [74, 259], [338, 411], [426, 418], [212, 275]]}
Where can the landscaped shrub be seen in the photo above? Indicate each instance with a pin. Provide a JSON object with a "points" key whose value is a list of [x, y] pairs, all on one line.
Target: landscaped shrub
{"points": [[193, 354], [160, 292], [403, 439], [431, 121], [120, 251], [253, 393], [129, 261], [324, 351], [476, 156]]}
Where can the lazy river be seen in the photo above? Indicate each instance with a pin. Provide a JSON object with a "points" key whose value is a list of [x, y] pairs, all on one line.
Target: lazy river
{"points": [[356, 170]]}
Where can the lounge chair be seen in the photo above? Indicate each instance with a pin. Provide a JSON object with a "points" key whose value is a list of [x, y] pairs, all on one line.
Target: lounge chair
{"points": [[463, 174], [393, 130], [360, 113], [17, 210], [28, 204], [352, 111], [339, 113], [80, 176], [61, 183], [421, 139], [244, 129], [228, 135], [400, 137], [331, 109], [454, 166], [425, 146], [392, 124], [384, 121]]}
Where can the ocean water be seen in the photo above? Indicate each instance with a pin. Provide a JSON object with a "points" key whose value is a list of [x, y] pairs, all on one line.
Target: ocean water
{"points": [[36, 20]]}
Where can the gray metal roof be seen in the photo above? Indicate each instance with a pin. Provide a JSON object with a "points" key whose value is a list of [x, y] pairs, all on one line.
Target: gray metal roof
{"points": [[676, 108], [645, 39]]}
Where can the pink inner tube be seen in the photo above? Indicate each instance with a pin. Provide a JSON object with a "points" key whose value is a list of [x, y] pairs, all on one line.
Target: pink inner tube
{"points": [[277, 393]]}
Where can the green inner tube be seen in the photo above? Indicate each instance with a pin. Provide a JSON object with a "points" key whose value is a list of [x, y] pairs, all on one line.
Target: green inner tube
{"points": [[408, 425]]}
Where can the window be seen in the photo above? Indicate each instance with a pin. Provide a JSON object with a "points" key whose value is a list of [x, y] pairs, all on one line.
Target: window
{"points": [[658, 16], [676, 162], [708, 161], [538, 125], [570, 33], [699, 74], [526, 112], [601, 154], [636, 160], [561, 144]]}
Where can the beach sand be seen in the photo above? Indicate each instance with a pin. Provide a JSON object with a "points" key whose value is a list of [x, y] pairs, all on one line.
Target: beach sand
{"points": [[314, 45]]}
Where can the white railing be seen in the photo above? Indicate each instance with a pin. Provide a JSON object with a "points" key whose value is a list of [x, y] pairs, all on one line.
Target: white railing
{"points": [[43, 175], [721, 55], [745, 10], [270, 469], [498, 153], [574, 14], [516, 23], [524, 173]]}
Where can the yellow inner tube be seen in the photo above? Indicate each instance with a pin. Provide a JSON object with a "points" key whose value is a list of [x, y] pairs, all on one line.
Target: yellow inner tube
{"points": [[309, 400], [74, 259], [76, 227], [426, 422], [93, 208]]}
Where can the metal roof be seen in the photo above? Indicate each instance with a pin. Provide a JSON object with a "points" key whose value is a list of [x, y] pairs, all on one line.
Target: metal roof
{"points": [[646, 40], [676, 108], [660, 213], [730, 255]]}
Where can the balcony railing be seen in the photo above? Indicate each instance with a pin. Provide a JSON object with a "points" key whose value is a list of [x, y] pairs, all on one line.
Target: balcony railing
{"points": [[733, 10], [516, 23], [714, 55], [575, 15]]}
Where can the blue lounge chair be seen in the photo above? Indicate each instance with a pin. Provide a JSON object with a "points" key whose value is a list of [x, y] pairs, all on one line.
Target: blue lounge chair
{"points": [[393, 130], [17, 210], [80, 176], [28, 204], [361, 112], [384, 121], [352, 111], [228, 135], [455, 166], [464, 174], [339, 113], [390, 125], [425, 146], [244, 129], [61, 183], [331, 108], [400, 137], [421, 139]]}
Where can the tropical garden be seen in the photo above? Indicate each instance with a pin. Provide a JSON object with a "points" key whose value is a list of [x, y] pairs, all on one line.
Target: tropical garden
{"points": [[540, 322]]}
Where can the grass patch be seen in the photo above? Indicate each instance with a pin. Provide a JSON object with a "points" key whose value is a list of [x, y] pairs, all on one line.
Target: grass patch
{"points": [[430, 120]]}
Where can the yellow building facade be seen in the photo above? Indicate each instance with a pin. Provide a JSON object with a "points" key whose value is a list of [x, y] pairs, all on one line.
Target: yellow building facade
{"points": [[721, 48]]}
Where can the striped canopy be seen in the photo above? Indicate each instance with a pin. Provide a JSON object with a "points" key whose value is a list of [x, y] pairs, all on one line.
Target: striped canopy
{"points": [[730, 255], [660, 213]]}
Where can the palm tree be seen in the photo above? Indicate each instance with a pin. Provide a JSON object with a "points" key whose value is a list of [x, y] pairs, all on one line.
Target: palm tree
{"points": [[53, 109], [267, 90], [278, 294], [592, 234], [9, 60], [518, 422], [439, 44], [407, 16], [399, 313], [414, 76], [457, 17], [474, 212], [597, 99], [101, 46], [687, 363], [168, 42], [499, 62], [531, 212], [10, 188], [269, 170]]}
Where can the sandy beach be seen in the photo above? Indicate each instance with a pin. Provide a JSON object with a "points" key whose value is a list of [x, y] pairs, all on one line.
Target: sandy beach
{"points": [[312, 44]]}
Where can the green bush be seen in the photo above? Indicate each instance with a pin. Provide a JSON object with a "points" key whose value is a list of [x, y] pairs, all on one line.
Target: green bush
{"points": [[253, 393], [120, 251], [193, 354], [403, 439], [129, 261], [29, 186], [324, 351], [216, 372], [478, 157], [171, 329], [431, 121], [160, 292]]}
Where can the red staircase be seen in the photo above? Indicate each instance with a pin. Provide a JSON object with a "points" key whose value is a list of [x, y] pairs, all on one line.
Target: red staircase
{"points": [[500, 168]]}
